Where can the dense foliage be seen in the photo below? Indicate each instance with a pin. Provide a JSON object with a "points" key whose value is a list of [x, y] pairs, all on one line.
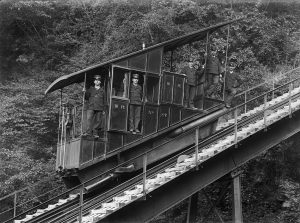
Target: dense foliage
{"points": [[42, 40]]}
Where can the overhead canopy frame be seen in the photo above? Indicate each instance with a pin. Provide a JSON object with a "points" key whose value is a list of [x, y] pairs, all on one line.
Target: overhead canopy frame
{"points": [[170, 45]]}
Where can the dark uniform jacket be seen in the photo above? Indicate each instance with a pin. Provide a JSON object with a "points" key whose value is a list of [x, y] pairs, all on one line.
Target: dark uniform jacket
{"points": [[213, 65], [135, 95], [191, 75], [96, 99], [232, 80]]}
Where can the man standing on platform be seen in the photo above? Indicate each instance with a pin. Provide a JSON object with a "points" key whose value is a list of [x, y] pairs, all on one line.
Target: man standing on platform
{"points": [[96, 105], [213, 71], [190, 86], [135, 96]]}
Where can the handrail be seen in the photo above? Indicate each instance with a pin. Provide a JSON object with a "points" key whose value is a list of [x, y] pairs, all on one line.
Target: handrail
{"points": [[250, 89], [266, 93], [261, 84], [25, 188], [57, 188]]}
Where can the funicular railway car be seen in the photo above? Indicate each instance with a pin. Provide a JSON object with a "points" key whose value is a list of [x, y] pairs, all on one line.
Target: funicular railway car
{"points": [[80, 157]]}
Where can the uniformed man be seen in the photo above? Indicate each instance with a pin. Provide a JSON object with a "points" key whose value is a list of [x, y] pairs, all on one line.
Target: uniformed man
{"points": [[213, 70], [135, 96], [232, 82], [190, 86], [96, 106]]}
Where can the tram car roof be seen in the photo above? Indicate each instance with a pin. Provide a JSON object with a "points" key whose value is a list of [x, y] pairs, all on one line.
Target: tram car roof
{"points": [[79, 76]]}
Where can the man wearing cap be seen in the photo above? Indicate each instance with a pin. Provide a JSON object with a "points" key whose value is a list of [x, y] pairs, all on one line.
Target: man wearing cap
{"points": [[135, 96], [190, 86], [232, 82], [213, 70], [96, 105]]}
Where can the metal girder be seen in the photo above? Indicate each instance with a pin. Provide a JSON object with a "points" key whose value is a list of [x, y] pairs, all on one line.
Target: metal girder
{"points": [[189, 183], [237, 199]]}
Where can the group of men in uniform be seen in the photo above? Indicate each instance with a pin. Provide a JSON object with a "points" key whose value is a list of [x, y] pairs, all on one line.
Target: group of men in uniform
{"points": [[215, 78], [96, 99]]}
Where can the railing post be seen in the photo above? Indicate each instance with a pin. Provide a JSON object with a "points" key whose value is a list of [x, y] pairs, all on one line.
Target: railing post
{"points": [[63, 145], [65, 139], [83, 101], [15, 204], [144, 174], [196, 147], [81, 204], [265, 114], [74, 120], [290, 99], [235, 127], [245, 106]]}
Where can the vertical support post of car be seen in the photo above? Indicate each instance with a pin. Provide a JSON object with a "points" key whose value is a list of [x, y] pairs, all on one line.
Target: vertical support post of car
{"points": [[226, 61], [83, 100], [60, 131], [106, 111], [63, 137], [110, 78], [235, 127], [205, 70], [206, 52], [59, 116], [290, 99], [144, 174], [237, 198], [265, 112], [196, 147], [74, 113]]}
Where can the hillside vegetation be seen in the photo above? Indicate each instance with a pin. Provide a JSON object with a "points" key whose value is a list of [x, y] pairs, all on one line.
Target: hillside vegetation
{"points": [[43, 40]]}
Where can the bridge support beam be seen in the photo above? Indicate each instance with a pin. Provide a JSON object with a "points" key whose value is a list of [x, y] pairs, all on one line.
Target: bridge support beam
{"points": [[237, 198]]}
